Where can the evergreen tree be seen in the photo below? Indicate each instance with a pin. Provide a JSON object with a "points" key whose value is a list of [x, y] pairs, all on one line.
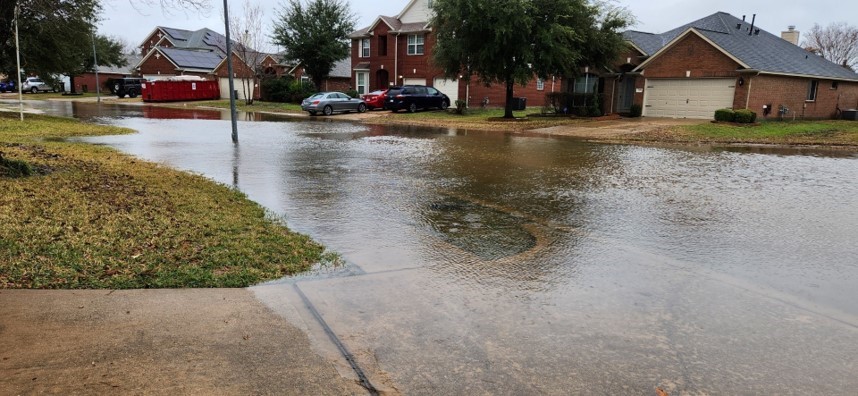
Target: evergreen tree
{"points": [[510, 41], [315, 34]]}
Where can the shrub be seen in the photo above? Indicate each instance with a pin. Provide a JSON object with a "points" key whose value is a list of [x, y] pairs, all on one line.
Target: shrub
{"points": [[276, 89], [594, 107], [557, 102], [461, 105], [14, 168], [725, 115], [635, 111], [745, 116], [352, 93]]}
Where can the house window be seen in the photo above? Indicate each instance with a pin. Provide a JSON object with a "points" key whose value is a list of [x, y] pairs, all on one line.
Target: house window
{"points": [[540, 84], [362, 79], [812, 87], [415, 44], [382, 45], [586, 84], [364, 48], [834, 84]]}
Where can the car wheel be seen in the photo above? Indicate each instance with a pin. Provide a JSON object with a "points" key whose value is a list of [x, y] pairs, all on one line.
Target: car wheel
{"points": [[412, 108], [328, 110], [34, 90], [132, 94], [312, 113], [361, 108], [445, 105]]}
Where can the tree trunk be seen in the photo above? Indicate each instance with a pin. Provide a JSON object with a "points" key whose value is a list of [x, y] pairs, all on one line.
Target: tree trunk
{"points": [[510, 84], [317, 82], [71, 84]]}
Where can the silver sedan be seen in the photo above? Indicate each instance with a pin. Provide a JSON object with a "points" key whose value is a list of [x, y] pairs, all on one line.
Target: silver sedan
{"points": [[328, 103]]}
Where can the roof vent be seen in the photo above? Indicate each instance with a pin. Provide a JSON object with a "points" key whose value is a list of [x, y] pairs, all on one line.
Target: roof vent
{"points": [[738, 26], [757, 32]]}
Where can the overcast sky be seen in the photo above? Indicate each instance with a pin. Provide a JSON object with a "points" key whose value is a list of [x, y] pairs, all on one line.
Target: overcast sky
{"points": [[656, 16]]}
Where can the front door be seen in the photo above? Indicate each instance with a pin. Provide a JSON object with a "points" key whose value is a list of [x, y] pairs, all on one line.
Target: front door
{"points": [[626, 95], [382, 78]]}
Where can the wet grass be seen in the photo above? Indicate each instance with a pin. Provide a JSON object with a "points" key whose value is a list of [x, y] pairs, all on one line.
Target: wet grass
{"points": [[769, 132], [257, 105], [90, 217], [477, 119]]}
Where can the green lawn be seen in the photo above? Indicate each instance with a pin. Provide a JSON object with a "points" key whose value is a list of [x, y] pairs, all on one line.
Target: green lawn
{"points": [[91, 217], [478, 119], [256, 106], [787, 132]]}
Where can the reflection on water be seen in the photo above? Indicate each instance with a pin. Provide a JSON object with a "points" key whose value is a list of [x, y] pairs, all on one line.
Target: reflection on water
{"points": [[608, 252]]}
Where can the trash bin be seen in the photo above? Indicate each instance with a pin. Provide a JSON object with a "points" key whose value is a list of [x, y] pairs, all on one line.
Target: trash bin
{"points": [[851, 115], [519, 104]]}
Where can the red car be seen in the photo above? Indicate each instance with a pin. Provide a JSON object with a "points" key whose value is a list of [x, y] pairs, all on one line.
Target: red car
{"points": [[375, 99]]}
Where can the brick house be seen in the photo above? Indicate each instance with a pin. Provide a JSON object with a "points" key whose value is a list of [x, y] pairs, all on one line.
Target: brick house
{"points": [[721, 61], [339, 79], [398, 51], [169, 52], [86, 82]]}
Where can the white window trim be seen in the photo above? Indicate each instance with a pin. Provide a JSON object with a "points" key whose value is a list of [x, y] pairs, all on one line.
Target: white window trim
{"points": [[416, 44], [361, 48], [540, 84], [810, 84], [365, 82]]}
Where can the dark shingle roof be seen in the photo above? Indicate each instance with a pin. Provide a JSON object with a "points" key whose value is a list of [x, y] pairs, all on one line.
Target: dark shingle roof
{"points": [[395, 24], [342, 69], [764, 51], [193, 59]]}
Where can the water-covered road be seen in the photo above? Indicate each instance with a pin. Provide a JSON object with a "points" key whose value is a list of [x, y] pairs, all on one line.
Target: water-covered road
{"points": [[487, 263]]}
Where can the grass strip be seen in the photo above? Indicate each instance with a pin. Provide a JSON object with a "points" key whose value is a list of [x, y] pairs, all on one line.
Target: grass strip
{"points": [[90, 217], [826, 132]]}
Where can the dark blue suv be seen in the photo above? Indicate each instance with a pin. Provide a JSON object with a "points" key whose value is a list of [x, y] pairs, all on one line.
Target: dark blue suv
{"points": [[7, 86], [415, 97]]}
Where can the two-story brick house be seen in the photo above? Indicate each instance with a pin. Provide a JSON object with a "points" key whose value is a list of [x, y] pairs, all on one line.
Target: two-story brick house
{"points": [[169, 52], [398, 51]]}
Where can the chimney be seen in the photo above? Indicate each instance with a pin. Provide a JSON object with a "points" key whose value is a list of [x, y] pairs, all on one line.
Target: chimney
{"points": [[791, 35]]}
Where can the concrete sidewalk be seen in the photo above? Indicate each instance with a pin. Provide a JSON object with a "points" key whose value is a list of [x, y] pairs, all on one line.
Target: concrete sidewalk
{"points": [[201, 341]]}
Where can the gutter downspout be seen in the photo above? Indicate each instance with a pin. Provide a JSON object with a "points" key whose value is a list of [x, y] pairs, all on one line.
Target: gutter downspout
{"points": [[396, 60], [750, 84]]}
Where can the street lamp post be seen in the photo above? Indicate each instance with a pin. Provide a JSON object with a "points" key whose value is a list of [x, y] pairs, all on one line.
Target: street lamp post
{"points": [[18, 56], [232, 112]]}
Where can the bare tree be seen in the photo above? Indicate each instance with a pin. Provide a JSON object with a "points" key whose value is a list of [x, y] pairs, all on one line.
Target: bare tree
{"points": [[837, 42], [247, 31]]}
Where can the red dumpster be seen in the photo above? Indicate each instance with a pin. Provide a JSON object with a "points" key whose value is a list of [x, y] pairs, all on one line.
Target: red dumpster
{"points": [[180, 91]]}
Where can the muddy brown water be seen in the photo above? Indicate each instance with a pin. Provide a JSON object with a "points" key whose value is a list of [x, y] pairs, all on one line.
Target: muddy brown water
{"points": [[483, 262]]}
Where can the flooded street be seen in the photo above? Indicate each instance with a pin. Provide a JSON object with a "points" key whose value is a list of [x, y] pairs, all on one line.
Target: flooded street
{"points": [[488, 263]]}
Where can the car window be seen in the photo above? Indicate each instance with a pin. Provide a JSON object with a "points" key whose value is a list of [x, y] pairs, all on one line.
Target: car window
{"points": [[432, 91], [420, 90]]}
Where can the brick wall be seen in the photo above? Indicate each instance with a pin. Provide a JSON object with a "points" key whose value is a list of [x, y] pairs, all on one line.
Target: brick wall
{"points": [[692, 57], [497, 92], [86, 82], [792, 93], [155, 65]]}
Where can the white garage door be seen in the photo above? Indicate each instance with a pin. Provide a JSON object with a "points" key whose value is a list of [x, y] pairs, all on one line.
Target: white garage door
{"points": [[688, 98], [223, 84], [449, 88], [414, 81]]}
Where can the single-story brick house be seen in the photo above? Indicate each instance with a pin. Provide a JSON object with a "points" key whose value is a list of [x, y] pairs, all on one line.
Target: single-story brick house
{"points": [[86, 81], [721, 61], [397, 50]]}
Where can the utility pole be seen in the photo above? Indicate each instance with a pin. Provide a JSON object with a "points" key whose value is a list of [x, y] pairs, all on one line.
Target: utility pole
{"points": [[95, 65], [232, 112], [18, 56]]}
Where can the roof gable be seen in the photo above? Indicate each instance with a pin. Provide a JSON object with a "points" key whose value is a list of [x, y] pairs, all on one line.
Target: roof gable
{"points": [[692, 31], [416, 11], [754, 50]]}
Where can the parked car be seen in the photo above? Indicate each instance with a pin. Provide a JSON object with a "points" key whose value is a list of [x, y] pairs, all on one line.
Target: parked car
{"points": [[35, 85], [130, 86], [416, 97], [375, 99], [330, 102], [7, 86]]}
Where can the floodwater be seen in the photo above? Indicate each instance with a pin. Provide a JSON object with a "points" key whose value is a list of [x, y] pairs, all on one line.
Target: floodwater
{"points": [[489, 263]]}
